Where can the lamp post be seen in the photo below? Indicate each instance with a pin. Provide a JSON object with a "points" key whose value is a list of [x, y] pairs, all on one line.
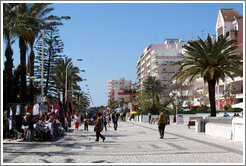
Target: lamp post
{"points": [[42, 66], [66, 77]]}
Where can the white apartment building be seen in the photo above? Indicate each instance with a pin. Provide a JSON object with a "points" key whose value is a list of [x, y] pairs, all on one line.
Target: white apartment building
{"points": [[158, 59], [121, 90]]}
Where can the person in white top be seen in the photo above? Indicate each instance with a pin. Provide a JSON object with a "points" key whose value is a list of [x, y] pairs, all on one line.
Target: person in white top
{"points": [[76, 121]]}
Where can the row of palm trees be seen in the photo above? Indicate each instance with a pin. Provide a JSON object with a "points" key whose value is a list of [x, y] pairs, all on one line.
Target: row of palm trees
{"points": [[212, 60], [25, 21]]}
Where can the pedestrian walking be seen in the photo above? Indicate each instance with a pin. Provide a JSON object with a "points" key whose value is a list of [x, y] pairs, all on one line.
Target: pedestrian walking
{"points": [[99, 127], [86, 123], [108, 120], [162, 123], [104, 118], [76, 121], [149, 114], [115, 120]]}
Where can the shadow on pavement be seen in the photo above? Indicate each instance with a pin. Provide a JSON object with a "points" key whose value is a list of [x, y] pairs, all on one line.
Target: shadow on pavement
{"points": [[100, 161]]}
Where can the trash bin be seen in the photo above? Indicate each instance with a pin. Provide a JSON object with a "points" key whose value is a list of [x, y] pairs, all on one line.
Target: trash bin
{"points": [[201, 125]]}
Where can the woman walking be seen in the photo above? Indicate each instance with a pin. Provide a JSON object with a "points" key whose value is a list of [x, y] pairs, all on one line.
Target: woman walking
{"points": [[76, 122], [99, 127]]}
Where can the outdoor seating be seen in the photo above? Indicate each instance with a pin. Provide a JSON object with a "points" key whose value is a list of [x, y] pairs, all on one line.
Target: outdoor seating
{"points": [[192, 121]]}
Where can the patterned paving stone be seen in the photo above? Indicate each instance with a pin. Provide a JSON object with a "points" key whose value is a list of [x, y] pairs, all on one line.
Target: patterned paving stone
{"points": [[133, 142]]}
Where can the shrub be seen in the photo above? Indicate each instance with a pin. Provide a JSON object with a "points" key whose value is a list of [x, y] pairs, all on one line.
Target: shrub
{"points": [[228, 108], [237, 110]]}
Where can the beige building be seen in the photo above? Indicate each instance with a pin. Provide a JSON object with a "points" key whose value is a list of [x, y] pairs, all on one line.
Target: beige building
{"points": [[121, 90], [158, 59]]}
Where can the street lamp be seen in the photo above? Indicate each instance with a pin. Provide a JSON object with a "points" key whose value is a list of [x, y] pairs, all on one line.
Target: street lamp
{"points": [[66, 76], [42, 69]]}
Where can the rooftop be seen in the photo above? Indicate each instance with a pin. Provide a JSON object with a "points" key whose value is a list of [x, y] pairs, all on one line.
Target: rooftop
{"points": [[230, 15]]}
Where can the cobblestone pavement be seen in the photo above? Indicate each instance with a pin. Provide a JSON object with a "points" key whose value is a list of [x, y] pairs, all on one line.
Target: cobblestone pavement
{"points": [[133, 142]]}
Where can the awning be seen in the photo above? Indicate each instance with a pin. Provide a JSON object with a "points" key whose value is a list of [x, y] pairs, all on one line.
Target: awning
{"points": [[238, 105]]}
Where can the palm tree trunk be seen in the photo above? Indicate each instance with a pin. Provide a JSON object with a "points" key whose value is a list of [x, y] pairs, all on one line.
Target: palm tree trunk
{"points": [[32, 56], [9, 74], [211, 91], [23, 48]]}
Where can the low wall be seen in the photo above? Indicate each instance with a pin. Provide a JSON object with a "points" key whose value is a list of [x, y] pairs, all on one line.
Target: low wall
{"points": [[238, 129], [221, 130], [223, 127]]}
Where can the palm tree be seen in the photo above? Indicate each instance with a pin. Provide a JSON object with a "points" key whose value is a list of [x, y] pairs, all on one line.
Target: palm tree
{"points": [[212, 60], [83, 101], [9, 39], [153, 86], [28, 18], [59, 75]]}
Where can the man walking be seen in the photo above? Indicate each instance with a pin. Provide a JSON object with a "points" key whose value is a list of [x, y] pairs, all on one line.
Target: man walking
{"points": [[99, 127], [115, 119], [162, 123]]}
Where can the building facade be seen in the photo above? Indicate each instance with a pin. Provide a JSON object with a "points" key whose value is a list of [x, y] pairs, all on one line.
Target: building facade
{"points": [[158, 59], [121, 90], [230, 24]]}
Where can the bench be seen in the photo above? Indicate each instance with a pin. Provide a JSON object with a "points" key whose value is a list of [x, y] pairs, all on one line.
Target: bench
{"points": [[192, 120]]}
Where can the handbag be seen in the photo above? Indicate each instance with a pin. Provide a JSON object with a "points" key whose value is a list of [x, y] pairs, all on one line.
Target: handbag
{"points": [[95, 128]]}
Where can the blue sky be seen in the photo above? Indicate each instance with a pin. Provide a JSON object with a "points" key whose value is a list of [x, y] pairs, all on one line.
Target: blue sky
{"points": [[110, 37]]}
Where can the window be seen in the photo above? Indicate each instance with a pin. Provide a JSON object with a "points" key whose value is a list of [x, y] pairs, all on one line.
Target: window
{"points": [[227, 33]]}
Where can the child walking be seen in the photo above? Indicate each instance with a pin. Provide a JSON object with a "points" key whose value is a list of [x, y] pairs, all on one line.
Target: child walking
{"points": [[86, 124]]}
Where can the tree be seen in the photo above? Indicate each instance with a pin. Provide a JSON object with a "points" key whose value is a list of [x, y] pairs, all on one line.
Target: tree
{"points": [[177, 97], [229, 93], [9, 39], [82, 101], [38, 11], [59, 76], [153, 86], [210, 60], [201, 96], [26, 18], [143, 100], [53, 49], [113, 105]]}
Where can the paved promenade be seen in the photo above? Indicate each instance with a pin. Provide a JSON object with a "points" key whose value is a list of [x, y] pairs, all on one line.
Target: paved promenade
{"points": [[133, 142]]}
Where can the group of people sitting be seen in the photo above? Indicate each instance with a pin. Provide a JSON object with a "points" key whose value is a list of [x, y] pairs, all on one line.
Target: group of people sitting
{"points": [[45, 127]]}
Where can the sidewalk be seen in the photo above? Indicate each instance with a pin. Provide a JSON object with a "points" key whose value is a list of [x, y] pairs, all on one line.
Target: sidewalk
{"points": [[133, 142]]}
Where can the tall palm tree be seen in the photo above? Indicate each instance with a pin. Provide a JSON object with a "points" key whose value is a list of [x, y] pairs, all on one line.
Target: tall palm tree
{"points": [[39, 12], [212, 60], [60, 75], [154, 87], [9, 39]]}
